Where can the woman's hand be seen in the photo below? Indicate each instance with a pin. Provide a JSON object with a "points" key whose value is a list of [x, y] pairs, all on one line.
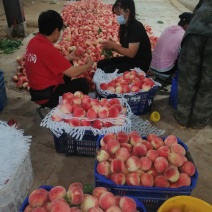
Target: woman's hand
{"points": [[89, 61], [108, 44]]}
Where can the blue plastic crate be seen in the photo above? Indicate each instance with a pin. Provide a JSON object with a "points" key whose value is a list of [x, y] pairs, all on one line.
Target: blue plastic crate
{"points": [[3, 94], [151, 197], [173, 93], [74, 147], [140, 206], [140, 103]]}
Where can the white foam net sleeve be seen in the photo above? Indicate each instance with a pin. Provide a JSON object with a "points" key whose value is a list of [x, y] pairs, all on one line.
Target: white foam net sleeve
{"points": [[58, 128], [144, 127], [101, 77], [14, 148]]}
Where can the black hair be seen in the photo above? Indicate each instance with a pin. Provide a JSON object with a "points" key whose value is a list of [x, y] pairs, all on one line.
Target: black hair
{"points": [[125, 4], [48, 21], [185, 18]]}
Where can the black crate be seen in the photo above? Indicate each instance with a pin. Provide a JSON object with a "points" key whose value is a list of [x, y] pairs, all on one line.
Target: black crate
{"points": [[74, 147], [3, 94]]}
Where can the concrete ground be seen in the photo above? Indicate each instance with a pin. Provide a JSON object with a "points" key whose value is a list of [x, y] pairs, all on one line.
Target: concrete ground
{"points": [[52, 168]]}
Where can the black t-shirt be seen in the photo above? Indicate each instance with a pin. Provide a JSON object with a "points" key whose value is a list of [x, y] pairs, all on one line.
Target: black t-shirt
{"points": [[133, 34]]}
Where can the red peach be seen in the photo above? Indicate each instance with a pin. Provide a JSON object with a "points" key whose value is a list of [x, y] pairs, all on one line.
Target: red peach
{"points": [[122, 154], [160, 164], [172, 173], [74, 122], [109, 137], [74, 107], [157, 143], [76, 100], [127, 204], [79, 112], [114, 101], [152, 171], [176, 159], [86, 99], [57, 192], [39, 209], [66, 108], [91, 114], [75, 195], [97, 124], [140, 172], [112, 146], [122, 137], [177, 148], [118, 178], [111, 89], [98, 191], [95, 209], [134, 133], [161, 181], [114, 208], [139, 150], [147, 180], [55, 202], [88, 202], [184, 180], [103, 168], [85, 123], [188, 168], [171, 139], [134, 139], [103, 113], [96, 107], [113, 112], [86, 106], [78, 93], [56, 118], [117, 166], [152, 154], [150, 137], [94, 101], [146, 163], [75, 209], [60, 206], [102, 155], [107, 124], [67, 95], [133, 163], [104, 101], [118, 89], [146, 87], [135, 88], [163, 151], [147, 144], [107, 105], [103, 86], [28, 209], [117, 200], [126, 88], [127, 146], [117, 106], [133, 179], [75, 184], [107, 200], [38, 197]]}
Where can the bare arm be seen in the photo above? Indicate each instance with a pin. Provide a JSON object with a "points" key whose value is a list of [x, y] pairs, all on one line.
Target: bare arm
{"points": [[75, 71], [129, 52]]}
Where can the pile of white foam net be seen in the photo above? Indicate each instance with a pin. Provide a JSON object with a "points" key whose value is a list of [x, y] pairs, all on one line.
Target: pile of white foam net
{"points": [[14, 148]]}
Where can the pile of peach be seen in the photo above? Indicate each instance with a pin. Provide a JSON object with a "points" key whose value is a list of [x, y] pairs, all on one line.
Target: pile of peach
{"points": [[74, 200], [87, 111], [127, 159], [128, 82]]}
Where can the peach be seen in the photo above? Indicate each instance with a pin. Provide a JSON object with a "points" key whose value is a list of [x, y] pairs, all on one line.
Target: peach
{"points": [[107, 124], [147, 180], [102, 155], [86, 106], [113, 112], [127, 146], [112, 146], [122, 154], [55, 202], [163, 151], [39, 209], [66, 108], [117, 166], [184, 180], [103, 86], [103, 168], [132, 163], [172, 173], [107, 200], [85, 123], [85, 99], [147, 144], [152, 171], [38, 197], [152, 154], [103, 101], [135, 88], [98, 191], [161, 181], [146, 87], [118, 178], [107, 105], [114, 208], [97, 107], [150, 137], [139, 150], [173, 185], [56, 118], [94, 101], [134, 133], [109, 137], [117, 198], [88, 202], [188, 168], [118, 89], [103, 113], [134, 139], [133, 179], [145, 163], [74, 122], [111, 89], [117, 106], [75, 195], [177, 148], [95, 209], [176, 159], [160, 164], [57, 192], [140, 172], [114, 101], [171, 139], [75, 209], [28, 209], [75, 184], [75, 106], [91, 114], [97, 124], [122, 137], [79, 112], [76, 100], [127, 204], [60, 206], [78, 93], [126, 89], [157, 143], [67, 95]]}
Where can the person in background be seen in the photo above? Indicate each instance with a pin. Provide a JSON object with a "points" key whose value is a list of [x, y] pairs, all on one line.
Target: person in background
{"points": [[46, 66], [166, 52], [195, 71], [134, 42]]}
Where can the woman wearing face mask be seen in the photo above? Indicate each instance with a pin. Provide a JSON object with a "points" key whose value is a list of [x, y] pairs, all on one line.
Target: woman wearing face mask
{"points": [[135, 44]]}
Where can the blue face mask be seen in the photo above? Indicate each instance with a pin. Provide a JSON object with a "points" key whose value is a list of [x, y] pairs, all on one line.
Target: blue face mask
{"points": [[120, 19]]}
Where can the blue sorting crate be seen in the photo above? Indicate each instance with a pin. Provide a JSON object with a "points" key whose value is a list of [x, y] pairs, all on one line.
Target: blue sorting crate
{"points": [[140, 206], [3, 94], [151, 197], [173, 93], [140, 103], [74, 147]]}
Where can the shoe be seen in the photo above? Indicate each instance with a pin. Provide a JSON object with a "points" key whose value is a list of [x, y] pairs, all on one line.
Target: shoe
{"points": [[196, 129]]}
